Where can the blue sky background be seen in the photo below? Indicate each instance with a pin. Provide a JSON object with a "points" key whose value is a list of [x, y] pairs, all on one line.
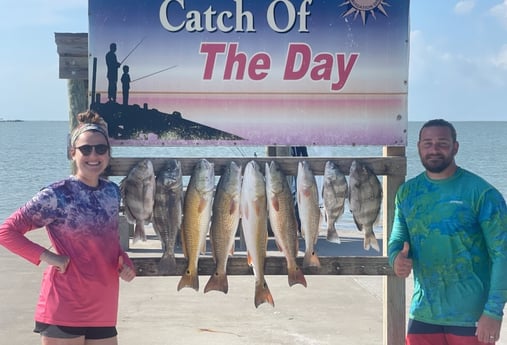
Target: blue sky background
{"points": [[458, 58]]}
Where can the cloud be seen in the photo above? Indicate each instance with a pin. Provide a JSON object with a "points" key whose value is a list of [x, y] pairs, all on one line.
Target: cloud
{"points": [[500, 11], [464, 7], [500, 60]]}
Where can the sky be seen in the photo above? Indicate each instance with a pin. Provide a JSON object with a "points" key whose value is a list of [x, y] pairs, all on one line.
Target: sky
{"points": [[457, 66]]}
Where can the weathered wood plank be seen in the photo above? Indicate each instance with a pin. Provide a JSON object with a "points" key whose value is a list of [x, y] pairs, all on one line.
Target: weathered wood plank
{"points": [[394, 287], [275, 265], [73, 51], [380, 165], [72, 67], [72, 44]]}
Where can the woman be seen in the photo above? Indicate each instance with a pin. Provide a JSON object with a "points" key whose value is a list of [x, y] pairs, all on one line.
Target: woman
{"points": [[78, 301]]}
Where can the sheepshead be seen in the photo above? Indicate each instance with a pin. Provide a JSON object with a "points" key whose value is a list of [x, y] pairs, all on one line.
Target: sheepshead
{"points": [[254, 221], [197, 206], [335, 191], [282, 217], [224, 224], [167, 212], [309, 212], [365, 198], [138, 193]]}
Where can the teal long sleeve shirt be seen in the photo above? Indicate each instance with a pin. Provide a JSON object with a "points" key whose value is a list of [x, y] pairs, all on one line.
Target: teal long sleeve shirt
{"points": [[457, 232]]}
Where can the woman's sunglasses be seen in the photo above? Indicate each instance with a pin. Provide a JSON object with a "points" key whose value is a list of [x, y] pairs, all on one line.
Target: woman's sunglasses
{"points": [[100, 149]]}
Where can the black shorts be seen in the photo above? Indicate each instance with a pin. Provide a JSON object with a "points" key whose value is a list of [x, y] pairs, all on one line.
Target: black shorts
{"points": [[65, 332]]}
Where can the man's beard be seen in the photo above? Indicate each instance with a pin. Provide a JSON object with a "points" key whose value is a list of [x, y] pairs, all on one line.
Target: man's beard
{"points": [[436, 167]]}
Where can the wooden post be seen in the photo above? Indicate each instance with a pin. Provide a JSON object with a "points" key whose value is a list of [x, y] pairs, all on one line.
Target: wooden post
{"points": [[394, 287], [78, 99]]}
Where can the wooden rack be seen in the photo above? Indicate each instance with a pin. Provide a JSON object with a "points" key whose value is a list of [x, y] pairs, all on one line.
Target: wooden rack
{"points": [[368, 265]]}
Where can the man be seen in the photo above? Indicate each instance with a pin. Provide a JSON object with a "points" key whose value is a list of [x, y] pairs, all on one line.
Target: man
{"points": [[450, 227], [112, 72]]}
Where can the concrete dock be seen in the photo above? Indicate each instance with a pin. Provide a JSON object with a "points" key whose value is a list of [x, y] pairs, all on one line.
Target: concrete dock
{"points": [[331, 310]]}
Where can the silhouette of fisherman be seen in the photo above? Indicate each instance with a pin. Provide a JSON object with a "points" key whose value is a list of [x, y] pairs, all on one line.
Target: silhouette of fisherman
{"points": [[125, 84], [112, 72]]}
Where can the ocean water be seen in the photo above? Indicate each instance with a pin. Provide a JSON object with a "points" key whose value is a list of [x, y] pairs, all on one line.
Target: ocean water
{"points": [[33, 154]]}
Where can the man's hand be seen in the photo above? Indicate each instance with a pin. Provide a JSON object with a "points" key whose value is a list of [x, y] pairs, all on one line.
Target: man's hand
{"points": [[402, 264], [488, 329]]}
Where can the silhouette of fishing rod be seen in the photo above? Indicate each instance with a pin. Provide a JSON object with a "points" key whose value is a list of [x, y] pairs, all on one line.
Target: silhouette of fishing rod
{"points": [[151, 74], [131, 51]]}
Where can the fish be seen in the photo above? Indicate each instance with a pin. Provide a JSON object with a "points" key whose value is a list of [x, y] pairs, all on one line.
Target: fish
{"points": [[335, 190], [282, 218], [224, 225], [254, 222], [138, 194], [167, 212], [365, 198], [197, 205], [309, 212]]}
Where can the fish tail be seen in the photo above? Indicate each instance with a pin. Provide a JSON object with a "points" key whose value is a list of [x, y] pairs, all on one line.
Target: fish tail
{"points": [[189, 279], [332, 233], [218, 282], [263, 295], [139, 234], [370, 241], [311, 259], [296, 276], [167, 265]]}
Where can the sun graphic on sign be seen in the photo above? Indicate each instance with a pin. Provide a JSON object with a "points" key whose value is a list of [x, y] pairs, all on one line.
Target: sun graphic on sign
{"points": [[364, 8]]}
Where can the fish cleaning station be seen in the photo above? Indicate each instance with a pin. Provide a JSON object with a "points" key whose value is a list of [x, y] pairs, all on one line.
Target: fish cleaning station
{"points": [[242, 74]]}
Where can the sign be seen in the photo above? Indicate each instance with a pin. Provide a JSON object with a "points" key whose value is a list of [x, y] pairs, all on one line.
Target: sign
{"points": [[250, 72]]}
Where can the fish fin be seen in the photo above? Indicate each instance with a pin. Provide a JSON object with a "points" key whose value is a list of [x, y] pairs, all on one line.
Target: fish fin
{"points": [[232, 207], [278, 245], [259, 206], [203, 247], [359, 226], [332, 235], [311, 260], [202, 205], [276, 203], [167, 265], [128, 215], [218, 282], [249, 259], [244, 213], [296, 276], [371, 241], [263, 295], [189, 279]]}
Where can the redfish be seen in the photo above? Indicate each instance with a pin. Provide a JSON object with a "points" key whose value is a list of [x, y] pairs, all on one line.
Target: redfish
{"points": [[224, 224], [197, 206], [309, 212], [254, 221], [282, 217]]}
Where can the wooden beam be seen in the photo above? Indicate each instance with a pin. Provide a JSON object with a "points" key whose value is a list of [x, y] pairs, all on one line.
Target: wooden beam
{"points": [[274, 265], [380, 165]]}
